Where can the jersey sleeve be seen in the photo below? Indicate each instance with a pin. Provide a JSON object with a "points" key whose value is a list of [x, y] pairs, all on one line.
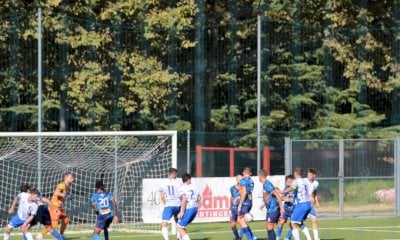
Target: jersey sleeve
{"points": [[232, 191], [295, 184], [34, 209], [316, 185], [243, 182], [93, 199], [182, 191], [163, 188], [268, 187], [62, 188]]}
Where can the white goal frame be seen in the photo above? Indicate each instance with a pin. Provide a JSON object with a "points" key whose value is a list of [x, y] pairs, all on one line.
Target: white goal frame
{"points": [[172, 133], [163, 133]]}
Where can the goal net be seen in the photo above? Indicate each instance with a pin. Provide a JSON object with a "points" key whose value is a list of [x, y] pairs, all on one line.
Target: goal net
{"points": [[121, 159]]}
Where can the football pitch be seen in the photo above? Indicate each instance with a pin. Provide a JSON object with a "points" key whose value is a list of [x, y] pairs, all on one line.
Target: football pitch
{"points": [[329, 229]]}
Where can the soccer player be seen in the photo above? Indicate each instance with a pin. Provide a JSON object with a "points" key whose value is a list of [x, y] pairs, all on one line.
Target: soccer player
{"points": [[273, 203], [246, 202], [106, 209], [171, 200], [288, 205], [311, 174], [24, 189], [303, 203], [234, 202], [43, 217], [27, 208], [56, 209], [189, 203]]}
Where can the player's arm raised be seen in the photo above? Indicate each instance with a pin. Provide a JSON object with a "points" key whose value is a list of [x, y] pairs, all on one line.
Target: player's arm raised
{"points": [[114, 205]]}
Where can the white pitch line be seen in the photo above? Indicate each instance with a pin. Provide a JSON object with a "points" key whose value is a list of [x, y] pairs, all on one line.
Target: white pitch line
{"points": [[365, 229]]}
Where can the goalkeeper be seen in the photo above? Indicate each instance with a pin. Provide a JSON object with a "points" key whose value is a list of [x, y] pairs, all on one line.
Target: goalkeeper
{"points": [[56, 209]]}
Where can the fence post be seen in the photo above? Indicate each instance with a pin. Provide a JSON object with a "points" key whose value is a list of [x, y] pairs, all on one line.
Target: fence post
{"points": [[199, 161], [288, 156], [188, 167], [341, 177], [115, 166], [39, 111], [397, 175]]}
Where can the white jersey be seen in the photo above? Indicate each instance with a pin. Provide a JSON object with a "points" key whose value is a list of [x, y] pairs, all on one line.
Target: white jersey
{"points": [[192, 195], [26, 208], [303, 190], [171, 190], [314, 186]]}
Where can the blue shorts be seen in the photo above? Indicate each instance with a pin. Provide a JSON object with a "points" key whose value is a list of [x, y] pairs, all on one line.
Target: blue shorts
{"points": [[245, 209], [273, 216], [16, 222], [168, 212], [104, 221], [288, 211], [234, 214], [187, 217], [300, 212], [313, 213]]}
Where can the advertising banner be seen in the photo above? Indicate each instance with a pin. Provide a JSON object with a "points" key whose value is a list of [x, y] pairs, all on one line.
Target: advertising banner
{"points": [[215, 198]]}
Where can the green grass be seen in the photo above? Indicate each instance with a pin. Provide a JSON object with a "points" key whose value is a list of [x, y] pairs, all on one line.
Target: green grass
{"points": [[329, 229]]}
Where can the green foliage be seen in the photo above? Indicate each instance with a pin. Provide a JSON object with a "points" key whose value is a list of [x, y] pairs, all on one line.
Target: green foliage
{"points": [[329, 70]]}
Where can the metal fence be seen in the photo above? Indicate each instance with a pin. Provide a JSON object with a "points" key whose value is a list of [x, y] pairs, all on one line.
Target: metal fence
{"points": [[357, 177]]}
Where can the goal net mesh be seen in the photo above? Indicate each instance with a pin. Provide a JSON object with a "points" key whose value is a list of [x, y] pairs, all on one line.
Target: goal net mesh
{"points": [[122, 162]]}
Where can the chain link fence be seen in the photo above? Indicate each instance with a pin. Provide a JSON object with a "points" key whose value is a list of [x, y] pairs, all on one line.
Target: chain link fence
{"points": [[358, 177]]}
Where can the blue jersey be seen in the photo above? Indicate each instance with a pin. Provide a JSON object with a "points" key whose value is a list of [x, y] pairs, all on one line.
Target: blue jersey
{"points": [[289, 197], [249, 185], [272, 204], [235, 195], [103, 202]]}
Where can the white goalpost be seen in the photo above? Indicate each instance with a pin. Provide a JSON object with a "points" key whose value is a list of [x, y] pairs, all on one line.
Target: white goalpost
{"points": [[121, 159]]}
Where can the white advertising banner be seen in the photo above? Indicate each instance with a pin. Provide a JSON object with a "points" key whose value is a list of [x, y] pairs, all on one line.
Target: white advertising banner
{"points": [[215, 197]]}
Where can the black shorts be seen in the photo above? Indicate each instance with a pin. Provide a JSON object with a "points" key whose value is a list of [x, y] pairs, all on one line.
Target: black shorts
{"points": [[42, 216]]}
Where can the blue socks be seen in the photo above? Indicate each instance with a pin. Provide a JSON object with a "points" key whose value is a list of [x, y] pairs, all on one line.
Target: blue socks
{"points": [[96, 236], [105, 233], [289, 234], [248, 233], [271, 234], [57, 235], [279, 231], [235, 232]]}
